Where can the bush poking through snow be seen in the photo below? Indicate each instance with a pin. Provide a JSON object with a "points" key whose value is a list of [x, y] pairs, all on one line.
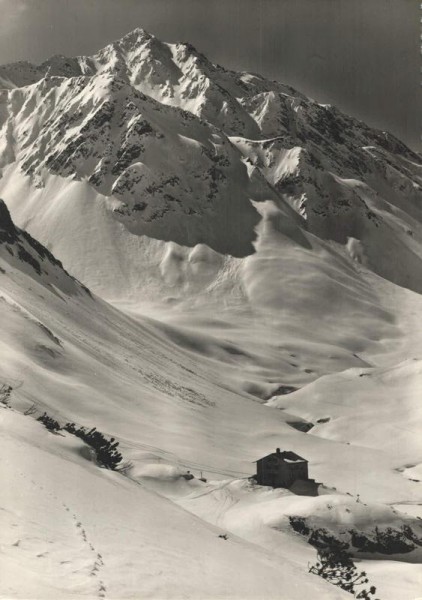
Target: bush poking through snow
{"points": [[5, 391], [106, 450], [334, 562], [386, 541], [299, 525], [335, 565], [48, 422]]}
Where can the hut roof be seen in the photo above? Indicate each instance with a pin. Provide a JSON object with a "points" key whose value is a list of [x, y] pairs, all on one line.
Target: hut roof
{"points": [[287, 456]]}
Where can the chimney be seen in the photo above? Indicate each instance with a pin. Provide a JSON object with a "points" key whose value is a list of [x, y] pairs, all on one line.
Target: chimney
{"points": [[278, 450]]}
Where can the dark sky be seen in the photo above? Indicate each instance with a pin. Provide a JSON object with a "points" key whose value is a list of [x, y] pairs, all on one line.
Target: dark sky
{"points": [[362, 55]]}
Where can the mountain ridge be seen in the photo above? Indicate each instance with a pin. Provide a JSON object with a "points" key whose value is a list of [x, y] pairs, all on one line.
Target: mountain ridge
{"points": [[342, 177]]}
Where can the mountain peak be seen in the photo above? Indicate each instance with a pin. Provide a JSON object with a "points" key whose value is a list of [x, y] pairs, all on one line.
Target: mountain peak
{"points": [[136, 36]]}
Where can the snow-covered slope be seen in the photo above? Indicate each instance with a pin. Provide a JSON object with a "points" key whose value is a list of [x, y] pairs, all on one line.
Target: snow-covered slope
{"points": [[170, 407], [67, 352], [117, 539]]}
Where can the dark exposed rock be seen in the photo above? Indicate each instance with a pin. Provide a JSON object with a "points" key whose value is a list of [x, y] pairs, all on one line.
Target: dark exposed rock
{"points": [[8, 233], [302, 426]]}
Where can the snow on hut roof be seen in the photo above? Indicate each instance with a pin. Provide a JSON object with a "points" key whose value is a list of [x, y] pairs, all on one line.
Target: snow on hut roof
{"points": [[287, 456]]}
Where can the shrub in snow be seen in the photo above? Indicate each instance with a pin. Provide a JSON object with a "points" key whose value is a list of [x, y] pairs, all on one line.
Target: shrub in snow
{"points": [[50, 423], [106, 450], [388, 541], [399, 540], [5, 391], [335, 565], [299, 525]]}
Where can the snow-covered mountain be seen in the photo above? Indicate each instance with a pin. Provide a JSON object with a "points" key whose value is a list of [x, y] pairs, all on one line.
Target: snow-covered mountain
{"points": [[240, 241], [181, 147]]}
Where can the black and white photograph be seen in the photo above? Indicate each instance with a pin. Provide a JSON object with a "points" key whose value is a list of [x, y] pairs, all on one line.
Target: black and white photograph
{"points": [[210, 300]]}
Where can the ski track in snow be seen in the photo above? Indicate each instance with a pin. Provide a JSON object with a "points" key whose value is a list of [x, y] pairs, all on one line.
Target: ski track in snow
{"points": [[94, 561], [98, 564]]}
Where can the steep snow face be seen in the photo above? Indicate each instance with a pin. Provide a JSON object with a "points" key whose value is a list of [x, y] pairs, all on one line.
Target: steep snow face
{"points": [[170, 175], [243, 312], [346, 181], [22, 252]]}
